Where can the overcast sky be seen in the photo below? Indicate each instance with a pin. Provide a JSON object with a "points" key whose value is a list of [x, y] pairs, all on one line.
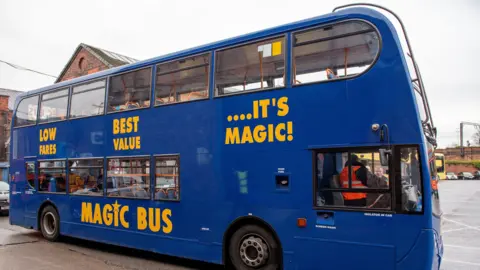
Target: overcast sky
{"points": [[42, 35]]}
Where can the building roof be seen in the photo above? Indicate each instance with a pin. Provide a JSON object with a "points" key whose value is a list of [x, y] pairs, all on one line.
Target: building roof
{"points": [[12, 94], [109, 58]]}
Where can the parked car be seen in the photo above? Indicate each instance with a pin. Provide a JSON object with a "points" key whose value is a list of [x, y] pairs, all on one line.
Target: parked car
{"points": [[4, 197], [451, 176], [476, 175], [465, 176]]}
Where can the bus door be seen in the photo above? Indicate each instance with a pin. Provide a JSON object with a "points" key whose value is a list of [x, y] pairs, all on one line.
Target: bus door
{"points": [[30, 187], [353, 220]]}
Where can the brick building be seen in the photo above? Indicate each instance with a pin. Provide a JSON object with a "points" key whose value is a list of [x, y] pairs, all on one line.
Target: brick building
{"points": [[87, 59], [455, 154], [7, 101]]}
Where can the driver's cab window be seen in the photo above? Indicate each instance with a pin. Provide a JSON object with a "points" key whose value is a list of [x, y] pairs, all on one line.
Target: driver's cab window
{"points": [[352, 178], [411, 179]]}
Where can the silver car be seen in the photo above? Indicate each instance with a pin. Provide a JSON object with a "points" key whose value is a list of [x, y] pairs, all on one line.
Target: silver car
{"points": [[4, 197]]}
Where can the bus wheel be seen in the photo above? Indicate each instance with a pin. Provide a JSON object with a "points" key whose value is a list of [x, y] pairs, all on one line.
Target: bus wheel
{"points": [[253, 247], [50, 223]]}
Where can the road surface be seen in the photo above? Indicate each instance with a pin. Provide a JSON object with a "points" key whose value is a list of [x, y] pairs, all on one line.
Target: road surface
{"points": [[25, 249]]}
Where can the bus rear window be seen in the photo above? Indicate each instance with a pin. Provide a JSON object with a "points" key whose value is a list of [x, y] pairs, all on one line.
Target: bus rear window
{"points": [[336, 51], [26, 113]]}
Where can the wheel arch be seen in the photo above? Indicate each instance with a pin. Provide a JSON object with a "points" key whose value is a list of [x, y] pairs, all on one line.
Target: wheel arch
{"points": [[248, 220], [40, 210]]}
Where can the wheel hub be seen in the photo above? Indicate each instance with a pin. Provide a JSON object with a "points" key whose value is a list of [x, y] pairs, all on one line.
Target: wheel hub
{"points": [[49, 223], [254, 251]]}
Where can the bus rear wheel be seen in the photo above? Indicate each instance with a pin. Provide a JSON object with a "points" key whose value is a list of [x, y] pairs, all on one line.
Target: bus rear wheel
{"points": [[50, 223], [253, 247]]}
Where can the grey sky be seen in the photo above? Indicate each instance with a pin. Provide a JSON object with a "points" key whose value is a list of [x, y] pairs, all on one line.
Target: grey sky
{"points": [[42, 35]]}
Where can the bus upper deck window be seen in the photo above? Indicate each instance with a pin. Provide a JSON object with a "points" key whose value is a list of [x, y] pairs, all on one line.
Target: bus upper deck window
{"points": [[182, 80], [130, 90], [26, 112], [88, 99], [53, 106], [337, 51], [254, 66]]}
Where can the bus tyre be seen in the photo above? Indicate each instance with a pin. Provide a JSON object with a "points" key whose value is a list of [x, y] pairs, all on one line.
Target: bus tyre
{"points": [[253, 247], [50, 223]]}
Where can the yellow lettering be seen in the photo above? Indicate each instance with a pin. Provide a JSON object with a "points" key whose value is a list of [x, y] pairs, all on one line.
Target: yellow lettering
{"points": [[141, 218], [107, 215], [124, 223], [282, 106], [53, 133], [45, 135], [166, 214], [255, 109], [41, 150], [270, 132], [122, 125], [50, 149], [264, 104], [136, 119], [41, 136], [116, 126], [247, 135], [129, 125], [121, 145], [86, 212], [115, 144], [131, 142], [137, 142], [232, 136], [259, 134], [278, 132], [154, 219], [97, 215], [54, 149]]}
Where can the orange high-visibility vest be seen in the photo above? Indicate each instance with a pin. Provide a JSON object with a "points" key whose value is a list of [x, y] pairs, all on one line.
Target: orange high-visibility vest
{"points": [[356, 183]]}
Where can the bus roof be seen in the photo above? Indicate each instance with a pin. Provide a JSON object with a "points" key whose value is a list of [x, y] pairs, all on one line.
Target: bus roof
{"points": [[323, 19]]}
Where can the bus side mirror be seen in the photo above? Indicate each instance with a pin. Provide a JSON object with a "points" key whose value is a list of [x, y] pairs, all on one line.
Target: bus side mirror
{"points": [[384, 156]]}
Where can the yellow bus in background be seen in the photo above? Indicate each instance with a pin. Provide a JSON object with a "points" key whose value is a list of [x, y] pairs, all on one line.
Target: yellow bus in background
{"points": [[440, 164]]}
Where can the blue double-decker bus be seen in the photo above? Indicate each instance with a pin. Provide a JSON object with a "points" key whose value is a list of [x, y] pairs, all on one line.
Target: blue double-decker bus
{"points": [[305, 146]]}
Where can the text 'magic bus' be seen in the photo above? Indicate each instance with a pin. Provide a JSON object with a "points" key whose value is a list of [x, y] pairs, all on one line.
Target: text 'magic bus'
{"points": [[249, 152]]}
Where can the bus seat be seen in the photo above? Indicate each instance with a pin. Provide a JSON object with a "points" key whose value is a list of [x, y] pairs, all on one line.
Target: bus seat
{"points": [[337, 196], [171, 193]]}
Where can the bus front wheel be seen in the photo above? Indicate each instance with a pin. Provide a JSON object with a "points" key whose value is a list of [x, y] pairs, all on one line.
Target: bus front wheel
{"points": [[253, 247], [50, 223]]}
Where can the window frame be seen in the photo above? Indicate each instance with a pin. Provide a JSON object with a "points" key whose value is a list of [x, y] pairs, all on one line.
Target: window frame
{"points": [[146, 157], [172, 156], [109, 84], [38, 175], [283, 35], [68, 88], [36, 115], [320, 26], [102, 194], [85, 91], [209, 82], [349, 150], [35, 178]]}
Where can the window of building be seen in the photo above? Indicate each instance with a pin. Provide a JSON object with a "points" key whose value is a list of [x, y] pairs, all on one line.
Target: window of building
{"points": [[128, 177], [30, 171], [167, 178], [53, 106], [254, 66], [352, 178], [335, 51], [130, 91], [51, 176], [182, 80], [88, 99], [26, 113], [85, 177]]}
